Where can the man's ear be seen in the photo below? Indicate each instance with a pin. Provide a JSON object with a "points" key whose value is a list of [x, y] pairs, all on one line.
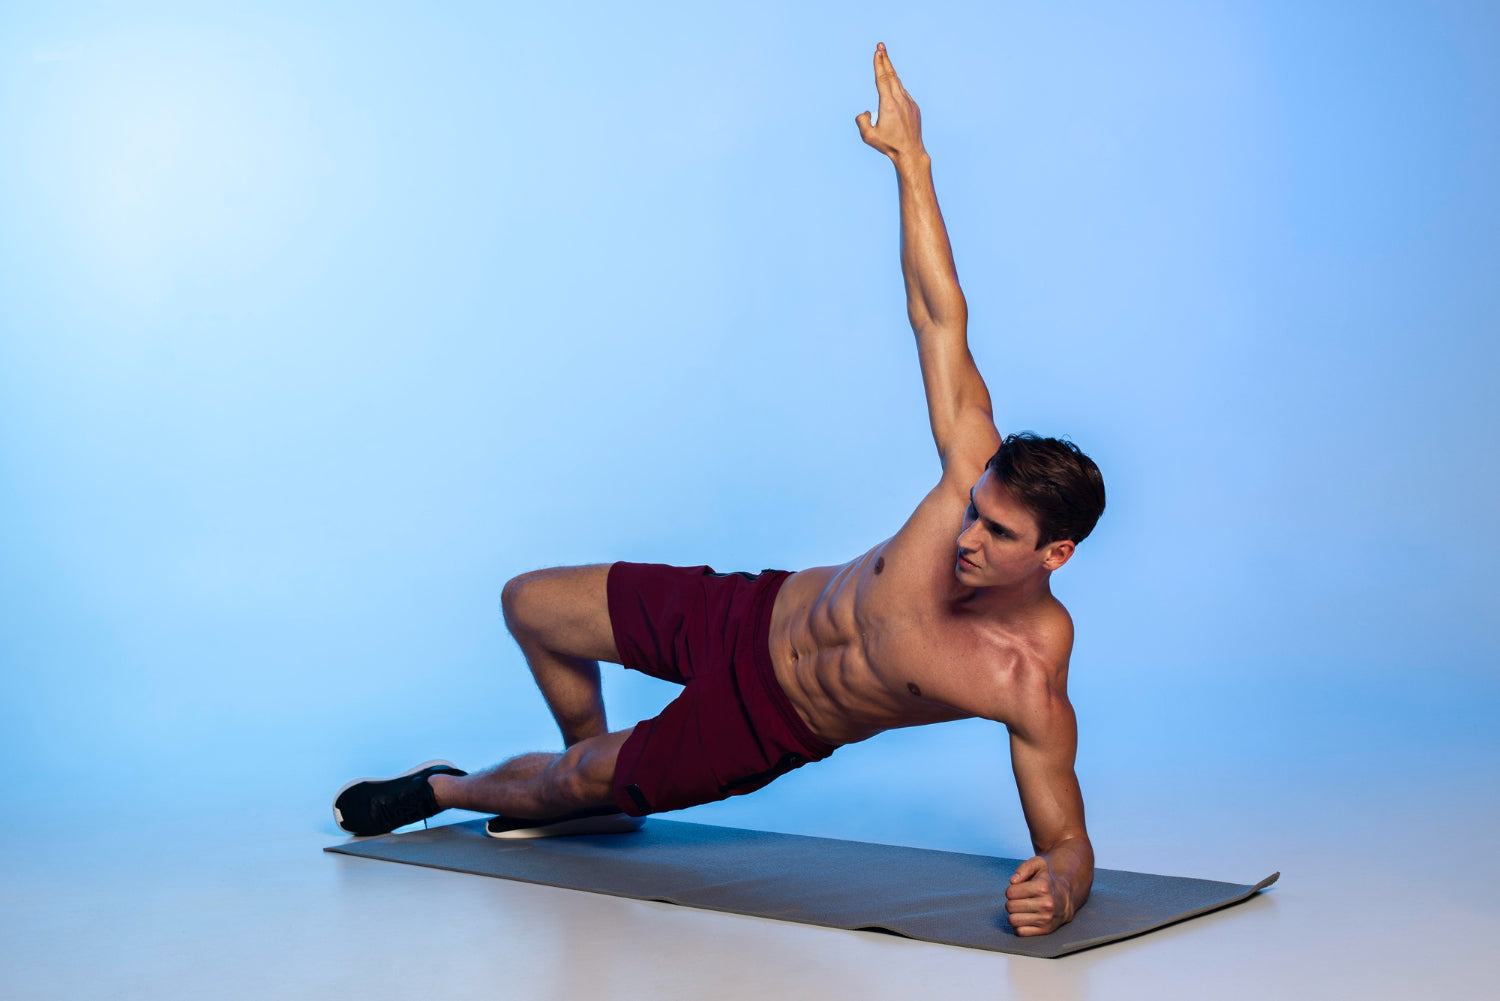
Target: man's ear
{"points": [[1058, 553]]}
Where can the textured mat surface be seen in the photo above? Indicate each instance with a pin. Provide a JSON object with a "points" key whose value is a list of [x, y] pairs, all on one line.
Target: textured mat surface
{"points": [[935, 896]]}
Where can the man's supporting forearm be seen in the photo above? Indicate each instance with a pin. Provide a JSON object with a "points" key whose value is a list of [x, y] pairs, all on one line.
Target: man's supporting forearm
{"points": [[932, 291], [1072, 865]]}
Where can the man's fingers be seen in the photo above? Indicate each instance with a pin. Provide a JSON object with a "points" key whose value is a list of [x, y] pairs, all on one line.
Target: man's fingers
{"points": [[1030, 887], [1029, 905], [883, 59], [1031, 920], [1028, 932], [1028, 869], [1025, 891], [885, 73]]}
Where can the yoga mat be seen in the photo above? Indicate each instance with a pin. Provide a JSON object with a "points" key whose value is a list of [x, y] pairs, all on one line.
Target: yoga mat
{"points": [[935, 896]]}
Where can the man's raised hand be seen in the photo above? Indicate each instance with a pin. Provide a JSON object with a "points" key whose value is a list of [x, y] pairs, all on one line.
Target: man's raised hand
{"points": [[899, 131]]}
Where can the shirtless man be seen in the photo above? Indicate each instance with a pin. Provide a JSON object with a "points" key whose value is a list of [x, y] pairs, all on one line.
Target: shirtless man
{"points": [[951, 618]]}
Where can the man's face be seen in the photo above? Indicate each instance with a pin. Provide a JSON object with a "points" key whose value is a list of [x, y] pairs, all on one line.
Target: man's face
{"points": [[998, 541]]}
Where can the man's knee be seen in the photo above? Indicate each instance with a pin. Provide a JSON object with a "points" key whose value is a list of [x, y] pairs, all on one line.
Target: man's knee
{"points": [[517, 599], [572, 788], [583, 775], [539, 601], [563, 609]]}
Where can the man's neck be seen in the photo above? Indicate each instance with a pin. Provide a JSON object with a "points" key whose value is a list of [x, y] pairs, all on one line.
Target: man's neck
{"points": [[1021, 599]]}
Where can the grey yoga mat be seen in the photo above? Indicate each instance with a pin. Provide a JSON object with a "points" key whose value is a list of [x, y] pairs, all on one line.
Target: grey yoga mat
{"points": [[934, 896]]}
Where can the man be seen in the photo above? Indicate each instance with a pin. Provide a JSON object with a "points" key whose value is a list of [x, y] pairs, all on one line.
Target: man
{"points": [[782, 668]]}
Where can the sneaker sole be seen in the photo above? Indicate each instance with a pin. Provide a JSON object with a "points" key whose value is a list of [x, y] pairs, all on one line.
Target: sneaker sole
{"points": [[338, 818], [615, 823]]}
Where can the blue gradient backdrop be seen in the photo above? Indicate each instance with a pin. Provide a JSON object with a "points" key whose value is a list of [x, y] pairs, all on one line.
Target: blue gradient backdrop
{"points": [[316, 325]]}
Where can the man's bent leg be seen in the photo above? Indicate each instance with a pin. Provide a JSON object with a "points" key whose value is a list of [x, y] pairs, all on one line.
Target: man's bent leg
{"points": [[540, 785], [560, 619]]}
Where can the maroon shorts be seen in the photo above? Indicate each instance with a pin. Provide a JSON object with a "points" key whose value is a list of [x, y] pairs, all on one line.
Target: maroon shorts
{"points": [[733, 729]]}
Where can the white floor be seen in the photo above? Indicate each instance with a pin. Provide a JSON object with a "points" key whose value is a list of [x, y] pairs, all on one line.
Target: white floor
{"points": [[1390, 889]]}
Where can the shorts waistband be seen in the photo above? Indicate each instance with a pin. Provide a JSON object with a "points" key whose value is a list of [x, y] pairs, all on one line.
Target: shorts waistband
{"points": [[815, 747]]}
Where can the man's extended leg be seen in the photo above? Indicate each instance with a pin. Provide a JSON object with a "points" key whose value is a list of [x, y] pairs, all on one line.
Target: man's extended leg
{"points": [[540, 785]]}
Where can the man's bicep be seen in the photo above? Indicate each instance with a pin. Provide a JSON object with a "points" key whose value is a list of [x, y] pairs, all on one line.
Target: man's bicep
{"points": [[1042, 756], [971, 442], [958, 401]]}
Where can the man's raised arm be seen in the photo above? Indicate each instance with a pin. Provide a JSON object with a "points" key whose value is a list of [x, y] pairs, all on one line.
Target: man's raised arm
{"points": [[958, 402]]}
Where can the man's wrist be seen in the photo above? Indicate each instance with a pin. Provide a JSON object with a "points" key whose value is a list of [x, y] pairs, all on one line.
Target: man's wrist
{"points": [[1070, 898], [915, 160], [1072, 865]]}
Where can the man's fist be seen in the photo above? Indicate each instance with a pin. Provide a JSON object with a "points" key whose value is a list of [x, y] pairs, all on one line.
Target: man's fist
{"points": [[899, 130], [1035, 902]]}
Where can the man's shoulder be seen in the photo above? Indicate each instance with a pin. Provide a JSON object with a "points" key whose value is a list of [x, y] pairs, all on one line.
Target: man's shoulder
{"points": [[1055, 636], [1021, 673], [1039, 644]]}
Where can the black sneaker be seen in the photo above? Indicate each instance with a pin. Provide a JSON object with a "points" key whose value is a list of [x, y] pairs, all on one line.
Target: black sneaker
{"points": [[378, 806]]}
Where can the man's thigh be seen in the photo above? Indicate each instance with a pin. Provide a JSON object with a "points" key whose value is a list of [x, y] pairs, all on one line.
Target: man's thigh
{"points": [[565, 609]]}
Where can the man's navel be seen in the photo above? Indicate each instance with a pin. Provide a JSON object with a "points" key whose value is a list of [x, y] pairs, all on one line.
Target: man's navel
{"points": [[911, 686], [879, 563]]}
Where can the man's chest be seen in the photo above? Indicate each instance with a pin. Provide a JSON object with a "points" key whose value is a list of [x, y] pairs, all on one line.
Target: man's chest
{"points": [[938, 665]]}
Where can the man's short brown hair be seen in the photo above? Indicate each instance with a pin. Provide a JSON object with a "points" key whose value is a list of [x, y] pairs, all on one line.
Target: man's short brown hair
{"points": [[1055, 481]]}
